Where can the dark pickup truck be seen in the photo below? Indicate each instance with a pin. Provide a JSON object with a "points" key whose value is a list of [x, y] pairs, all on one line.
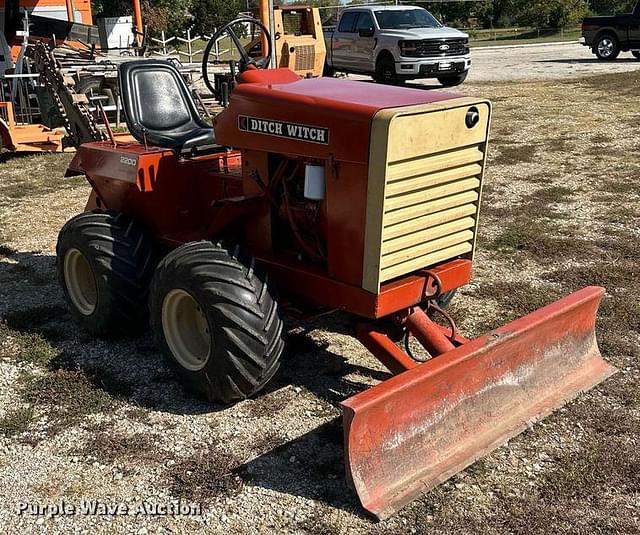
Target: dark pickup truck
{"points": [[608, 36]]}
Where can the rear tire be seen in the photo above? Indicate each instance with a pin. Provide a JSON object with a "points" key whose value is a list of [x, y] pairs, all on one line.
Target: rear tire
{"points": [[105, 263], [451, 81], [606, 47], [215, 318]]}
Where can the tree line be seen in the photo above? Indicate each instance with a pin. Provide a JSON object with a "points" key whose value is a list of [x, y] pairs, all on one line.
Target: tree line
{"points": [[201, 16]]}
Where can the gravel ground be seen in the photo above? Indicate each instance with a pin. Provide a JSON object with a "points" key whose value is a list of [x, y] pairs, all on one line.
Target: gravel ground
{"points": [[105, 424]]}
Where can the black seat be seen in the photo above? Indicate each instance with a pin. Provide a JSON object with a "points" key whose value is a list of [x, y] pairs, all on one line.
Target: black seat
{"points": [[159, 109]]}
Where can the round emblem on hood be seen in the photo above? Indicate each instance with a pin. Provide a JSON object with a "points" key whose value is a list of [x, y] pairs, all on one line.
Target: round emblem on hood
{"points": [[444, 47]]}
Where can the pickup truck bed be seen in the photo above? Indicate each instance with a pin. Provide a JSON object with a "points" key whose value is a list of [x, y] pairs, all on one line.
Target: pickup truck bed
{"points": [[608, 36]]}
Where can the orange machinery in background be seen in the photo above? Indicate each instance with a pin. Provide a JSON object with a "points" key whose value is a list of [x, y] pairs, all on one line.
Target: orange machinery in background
{"points": [[26, 137], [299, 39], [69, 20]]}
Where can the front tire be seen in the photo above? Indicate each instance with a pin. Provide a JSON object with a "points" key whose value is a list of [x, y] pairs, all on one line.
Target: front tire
{"points": [[606, 48], [386, 71], [453, 80], [105, 263], [215, 318]]}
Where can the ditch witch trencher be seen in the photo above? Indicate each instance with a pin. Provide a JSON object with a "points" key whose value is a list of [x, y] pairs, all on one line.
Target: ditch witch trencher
{"points": [[340, 195]]}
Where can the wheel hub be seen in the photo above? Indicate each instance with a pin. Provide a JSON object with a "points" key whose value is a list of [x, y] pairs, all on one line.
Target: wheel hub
{"points": [[80, 282], [605, 47], [186, 330]]}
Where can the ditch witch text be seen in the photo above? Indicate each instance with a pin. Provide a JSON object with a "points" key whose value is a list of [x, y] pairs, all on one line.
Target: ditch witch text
{"points": [[303, 132]]}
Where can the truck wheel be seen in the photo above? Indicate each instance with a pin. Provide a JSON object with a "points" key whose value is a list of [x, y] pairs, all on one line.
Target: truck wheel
{"points": [[606, 47], [636, 54], [453, 80], [215, 318], [105, 263], [386, 71], [94, 86]]}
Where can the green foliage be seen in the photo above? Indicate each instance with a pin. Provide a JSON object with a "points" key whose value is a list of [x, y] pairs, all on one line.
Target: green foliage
{"points": [[550, 14], [210, 14], [204, 15], [612, 7]]}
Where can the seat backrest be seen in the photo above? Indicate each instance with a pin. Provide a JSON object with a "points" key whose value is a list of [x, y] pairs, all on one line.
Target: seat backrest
{"points": [[157, 104]]}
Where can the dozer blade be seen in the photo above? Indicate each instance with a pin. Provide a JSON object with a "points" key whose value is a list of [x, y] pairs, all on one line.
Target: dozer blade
{"points": [[417, 429]]}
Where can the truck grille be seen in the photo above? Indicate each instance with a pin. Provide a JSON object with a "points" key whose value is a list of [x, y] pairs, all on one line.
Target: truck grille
{"points": [[424, 193], [431, 48]]}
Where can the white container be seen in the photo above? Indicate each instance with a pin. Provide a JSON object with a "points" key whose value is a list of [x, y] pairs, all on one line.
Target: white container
{"points": [[314, 182], [115, 32]]}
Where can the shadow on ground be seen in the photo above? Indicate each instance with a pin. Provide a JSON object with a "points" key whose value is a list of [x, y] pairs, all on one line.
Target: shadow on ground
{"points": [[587, 61], [131, 368], [311, 466]]}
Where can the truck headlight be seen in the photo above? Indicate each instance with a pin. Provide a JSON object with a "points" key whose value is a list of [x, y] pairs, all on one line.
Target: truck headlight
{"points": [[407, 48]]}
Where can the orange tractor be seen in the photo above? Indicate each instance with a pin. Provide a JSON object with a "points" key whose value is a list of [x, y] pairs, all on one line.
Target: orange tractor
{"points": [[337, 195]]}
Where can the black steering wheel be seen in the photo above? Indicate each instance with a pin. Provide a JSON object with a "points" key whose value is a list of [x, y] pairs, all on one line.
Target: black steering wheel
{"points": [[245, 58]]}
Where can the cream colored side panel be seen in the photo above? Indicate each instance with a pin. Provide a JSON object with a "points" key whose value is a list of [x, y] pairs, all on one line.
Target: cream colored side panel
{"points": [[426, 235], [408, 139], [425, 177], [412, 212], [426, 221], [432, 179], [375, 201]]}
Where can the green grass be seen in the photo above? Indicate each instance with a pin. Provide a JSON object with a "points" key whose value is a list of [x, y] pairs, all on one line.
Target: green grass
{"points": [[16, 421], [66, 396], [31, 347], [518, 236]]}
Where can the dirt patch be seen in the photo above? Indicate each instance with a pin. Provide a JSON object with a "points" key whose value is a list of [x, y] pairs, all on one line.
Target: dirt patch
{"points": [[515, 154], [206, 476], [110, 446], [16, 421]]}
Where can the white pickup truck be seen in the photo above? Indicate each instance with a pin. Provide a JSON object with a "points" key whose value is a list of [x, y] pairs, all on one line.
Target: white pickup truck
{"points": [[397, 43]]}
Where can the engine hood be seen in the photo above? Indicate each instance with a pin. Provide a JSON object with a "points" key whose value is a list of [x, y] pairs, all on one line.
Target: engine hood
{"points": [[275, 110], [425, 33]]}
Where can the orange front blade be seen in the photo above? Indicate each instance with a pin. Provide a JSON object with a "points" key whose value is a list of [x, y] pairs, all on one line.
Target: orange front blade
{"points": [[417, 429]]}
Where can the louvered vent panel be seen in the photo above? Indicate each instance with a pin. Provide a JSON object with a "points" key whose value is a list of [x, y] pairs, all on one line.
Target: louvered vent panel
{"points": [[305, 57], [429, 210]]}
